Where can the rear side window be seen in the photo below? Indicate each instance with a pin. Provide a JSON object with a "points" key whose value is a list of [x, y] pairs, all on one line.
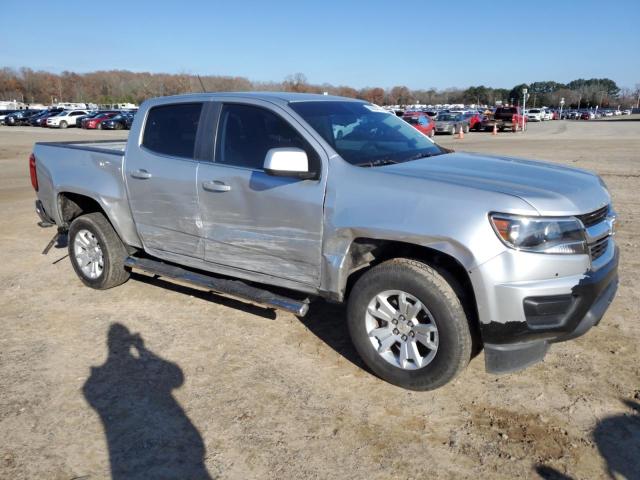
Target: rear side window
{"points": [[171, 129]]}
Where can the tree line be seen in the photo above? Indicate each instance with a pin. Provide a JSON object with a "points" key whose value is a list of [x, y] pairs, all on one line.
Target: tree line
{"points": [[115, 86]]}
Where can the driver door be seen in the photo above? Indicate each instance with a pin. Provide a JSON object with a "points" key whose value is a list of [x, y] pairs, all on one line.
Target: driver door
{"points": [[254, 221]]}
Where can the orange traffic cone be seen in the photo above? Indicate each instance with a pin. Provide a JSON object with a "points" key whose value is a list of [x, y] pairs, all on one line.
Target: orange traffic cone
{"points": [[495, 129], [460, 133]]}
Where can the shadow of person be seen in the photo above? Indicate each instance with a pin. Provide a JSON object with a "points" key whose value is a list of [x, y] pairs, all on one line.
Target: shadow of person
{"points": [[618, 440], [148, 433], [550, 473]]}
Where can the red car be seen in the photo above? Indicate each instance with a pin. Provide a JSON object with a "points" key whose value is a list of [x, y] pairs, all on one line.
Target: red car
{"points": [[474, 119], [96, 122], [42, 121], [422, 122]]}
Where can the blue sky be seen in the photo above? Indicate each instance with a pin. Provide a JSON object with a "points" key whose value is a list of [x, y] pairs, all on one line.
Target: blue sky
{"points": [[421, 44]]}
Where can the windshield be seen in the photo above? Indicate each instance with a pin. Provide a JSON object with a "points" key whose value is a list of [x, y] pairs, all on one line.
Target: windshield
{"points": [[365, 134], [446, 117], [412, 120]]}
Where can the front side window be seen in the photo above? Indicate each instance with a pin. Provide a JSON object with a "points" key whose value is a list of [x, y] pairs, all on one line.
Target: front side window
{"points": [[246, 133], [364, 134], [171, 129]]}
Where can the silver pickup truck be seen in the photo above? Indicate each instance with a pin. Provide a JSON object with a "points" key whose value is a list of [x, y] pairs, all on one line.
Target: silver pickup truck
{"points": [[281, 198]]}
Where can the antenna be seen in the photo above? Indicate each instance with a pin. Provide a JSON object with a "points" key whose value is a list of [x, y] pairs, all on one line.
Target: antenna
{"points": [[202, 84]]}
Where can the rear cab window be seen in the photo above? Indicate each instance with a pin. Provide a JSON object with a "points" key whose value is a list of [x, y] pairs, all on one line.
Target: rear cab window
{"points": [[171, 129]]}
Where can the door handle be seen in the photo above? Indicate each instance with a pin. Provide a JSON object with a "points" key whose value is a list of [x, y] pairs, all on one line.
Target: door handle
{"points": [[141, 174], [216, 186]]}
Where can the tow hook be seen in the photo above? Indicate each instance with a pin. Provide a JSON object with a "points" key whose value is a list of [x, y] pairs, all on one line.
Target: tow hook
{"points": [[61, 231]]}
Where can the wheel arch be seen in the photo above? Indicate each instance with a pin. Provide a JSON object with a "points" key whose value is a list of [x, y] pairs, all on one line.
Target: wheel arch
{"points": [[365, 253], [72, 204]]}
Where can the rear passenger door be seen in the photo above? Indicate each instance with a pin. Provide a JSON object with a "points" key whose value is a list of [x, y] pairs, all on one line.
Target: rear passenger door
{"points": [[253, 221], [161, 180]]}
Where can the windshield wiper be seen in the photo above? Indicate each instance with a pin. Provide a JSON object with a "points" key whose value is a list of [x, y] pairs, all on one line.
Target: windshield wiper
{"points": [[430, 154], [376, 163], [422, 155]]}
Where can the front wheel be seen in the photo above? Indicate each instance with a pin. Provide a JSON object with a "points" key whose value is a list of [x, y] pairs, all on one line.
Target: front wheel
{"points": [[408, 325], [63, 124], [96, 252]]}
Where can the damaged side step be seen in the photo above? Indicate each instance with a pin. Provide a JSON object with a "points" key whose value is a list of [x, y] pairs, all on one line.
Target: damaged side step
{"points": [[235, 288]]}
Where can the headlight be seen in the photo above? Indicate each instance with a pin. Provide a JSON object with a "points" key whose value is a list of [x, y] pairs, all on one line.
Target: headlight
{"points": [[562, 235]]}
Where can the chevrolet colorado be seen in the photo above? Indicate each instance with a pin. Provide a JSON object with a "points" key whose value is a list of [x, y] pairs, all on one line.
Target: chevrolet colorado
{"points": [[279, 197]]}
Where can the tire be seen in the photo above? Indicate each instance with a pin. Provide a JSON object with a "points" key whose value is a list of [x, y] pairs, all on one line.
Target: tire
{"points": [[99, 126], [466, 128], [63, 124], [452, 337], [432, 133], [118, 126], [112, 251]]}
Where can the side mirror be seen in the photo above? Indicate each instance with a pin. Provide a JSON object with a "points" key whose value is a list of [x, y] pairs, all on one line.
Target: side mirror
{"points": [[288, 162]]}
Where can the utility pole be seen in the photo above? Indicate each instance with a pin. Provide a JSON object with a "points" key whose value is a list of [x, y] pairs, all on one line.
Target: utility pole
{"points": [[524, 104]]}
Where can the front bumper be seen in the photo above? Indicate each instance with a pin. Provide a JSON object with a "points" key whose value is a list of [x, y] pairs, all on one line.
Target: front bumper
{"points": [[547, 312]]}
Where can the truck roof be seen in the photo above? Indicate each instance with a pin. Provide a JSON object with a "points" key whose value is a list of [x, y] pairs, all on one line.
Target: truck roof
{"points": [[275, 97]]}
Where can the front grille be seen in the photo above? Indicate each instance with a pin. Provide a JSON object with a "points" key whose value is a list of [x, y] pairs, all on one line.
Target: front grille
{"points": [[597, 248], [590, 219]]}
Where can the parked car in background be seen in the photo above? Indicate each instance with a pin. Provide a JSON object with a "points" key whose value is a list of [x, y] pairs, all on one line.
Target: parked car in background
{"points": [[82, 117], [20, 117], [534, 115], [451, 123], [122, 121], [504, 118], [626, 112], [4, 113], [421, 122], [65, 119], [474, 119], [40, 119], [587, 116], [95, 122], [546, 114]]}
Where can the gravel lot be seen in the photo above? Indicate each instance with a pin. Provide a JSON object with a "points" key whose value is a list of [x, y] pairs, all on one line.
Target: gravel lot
{"points": [[224, 389]]}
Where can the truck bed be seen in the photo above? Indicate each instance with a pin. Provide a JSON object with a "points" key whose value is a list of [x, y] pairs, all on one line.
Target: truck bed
{"points": [[113, 147]]}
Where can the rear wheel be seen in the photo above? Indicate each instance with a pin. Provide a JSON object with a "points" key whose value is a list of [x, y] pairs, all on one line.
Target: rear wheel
{"points": [[97, 254], [408, 325]]}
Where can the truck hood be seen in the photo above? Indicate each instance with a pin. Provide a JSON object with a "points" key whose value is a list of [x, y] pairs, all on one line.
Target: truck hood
{"points": [[550, 188]]}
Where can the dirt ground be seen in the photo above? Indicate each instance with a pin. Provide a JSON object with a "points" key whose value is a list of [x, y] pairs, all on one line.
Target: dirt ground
{"points": [[215, 387]]}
